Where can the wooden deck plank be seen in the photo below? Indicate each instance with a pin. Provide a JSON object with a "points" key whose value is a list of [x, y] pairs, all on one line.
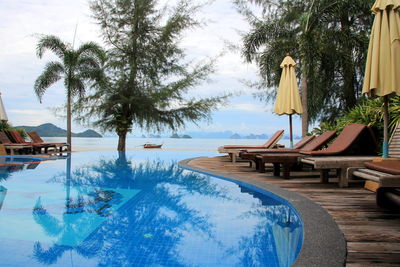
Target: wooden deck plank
{"points": [[372, 234]]}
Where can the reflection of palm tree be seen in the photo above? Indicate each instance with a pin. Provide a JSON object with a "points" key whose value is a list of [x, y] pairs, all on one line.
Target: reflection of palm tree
{"points": [[126, 234]]}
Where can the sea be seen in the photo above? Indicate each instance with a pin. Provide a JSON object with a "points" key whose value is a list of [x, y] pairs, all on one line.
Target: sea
{"points": [[177, 144]]}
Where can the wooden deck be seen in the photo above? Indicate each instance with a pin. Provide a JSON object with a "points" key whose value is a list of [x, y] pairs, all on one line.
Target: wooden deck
{"points": [[372, 234]]}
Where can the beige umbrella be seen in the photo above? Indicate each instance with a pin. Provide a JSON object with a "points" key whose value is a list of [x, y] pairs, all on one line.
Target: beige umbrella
{"points": [[382, 71], [3, 114], [288, 97]]}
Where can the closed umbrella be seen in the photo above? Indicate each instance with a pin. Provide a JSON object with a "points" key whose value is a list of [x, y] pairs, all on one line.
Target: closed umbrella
{"points": [[382, 71], [288, 97], [3, 114]]}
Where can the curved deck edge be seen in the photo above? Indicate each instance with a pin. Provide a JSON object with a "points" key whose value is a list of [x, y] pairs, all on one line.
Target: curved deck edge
{"points": [[324, 243]]}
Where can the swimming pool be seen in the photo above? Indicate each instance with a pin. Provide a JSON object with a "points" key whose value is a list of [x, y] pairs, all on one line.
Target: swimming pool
{"points": [[140, 209]]}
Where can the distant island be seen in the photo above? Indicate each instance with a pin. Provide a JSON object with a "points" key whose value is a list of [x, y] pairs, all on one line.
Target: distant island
{"points": [[259, 136], [185, 136], [50, 130]]}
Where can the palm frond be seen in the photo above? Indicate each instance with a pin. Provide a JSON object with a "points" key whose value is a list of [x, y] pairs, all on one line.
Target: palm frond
{"points": [[52, 73], [52, 43]]}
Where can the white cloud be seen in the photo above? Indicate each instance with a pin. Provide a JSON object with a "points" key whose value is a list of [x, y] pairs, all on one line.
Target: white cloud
{"points": [[248, 107]]}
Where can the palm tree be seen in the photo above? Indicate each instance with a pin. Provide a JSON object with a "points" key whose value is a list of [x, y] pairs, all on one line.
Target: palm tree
{"points": [[78, 68]]}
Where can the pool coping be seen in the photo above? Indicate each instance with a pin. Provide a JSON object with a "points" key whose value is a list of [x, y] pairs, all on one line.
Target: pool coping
{"points": [[323, 244]]}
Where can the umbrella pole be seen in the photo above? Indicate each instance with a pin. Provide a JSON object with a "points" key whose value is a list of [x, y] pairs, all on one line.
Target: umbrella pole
{"points": [[385, 147], [291, 133]]}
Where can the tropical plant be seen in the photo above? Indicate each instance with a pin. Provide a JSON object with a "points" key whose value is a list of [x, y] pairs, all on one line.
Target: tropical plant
{"points": [[21, 132], [368, 112], [78, 68], [4, 126], [329, 39], [148, 75]]}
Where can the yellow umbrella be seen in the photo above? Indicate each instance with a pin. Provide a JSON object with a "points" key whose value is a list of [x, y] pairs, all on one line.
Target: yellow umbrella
{"points": [[288, 97], [3, 114], [382, 71]]}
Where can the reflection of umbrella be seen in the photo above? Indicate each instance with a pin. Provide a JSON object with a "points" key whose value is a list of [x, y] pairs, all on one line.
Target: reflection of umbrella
{"points": [[3, 192], [3, 115], [382, 72], [288, 97], [288, 238]]}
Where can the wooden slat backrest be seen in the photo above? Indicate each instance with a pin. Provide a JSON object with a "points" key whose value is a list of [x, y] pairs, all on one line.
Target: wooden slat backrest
{"points": [[394, 143]]}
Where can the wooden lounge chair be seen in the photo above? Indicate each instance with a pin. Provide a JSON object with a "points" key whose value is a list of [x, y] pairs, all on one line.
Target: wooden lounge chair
{"points": [[12, 147], [316, 143], [299, 145], [234, 150], [17, 138], [355, 145], [37, 139], [385, 173], [306, 144], [250, 154], [355, 139]]}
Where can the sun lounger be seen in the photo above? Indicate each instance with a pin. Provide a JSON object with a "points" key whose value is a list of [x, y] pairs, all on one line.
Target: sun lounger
{"points": [[12, 147], [316, 143], [387, 175], [355, 145], [355, 139], [37, 139], [250, 154], [312, 144], [17, 138], [304, 141], [234, 150]]}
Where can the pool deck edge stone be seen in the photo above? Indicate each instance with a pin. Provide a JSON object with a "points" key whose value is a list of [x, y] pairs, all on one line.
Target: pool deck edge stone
{"points": [[323, 244]]}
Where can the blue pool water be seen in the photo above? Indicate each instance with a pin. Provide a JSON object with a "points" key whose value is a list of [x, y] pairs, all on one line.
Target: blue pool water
{"points": [[139, 209]]}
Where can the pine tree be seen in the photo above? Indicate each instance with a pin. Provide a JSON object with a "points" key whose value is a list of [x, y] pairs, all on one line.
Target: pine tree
{"points": [[149, 77]]}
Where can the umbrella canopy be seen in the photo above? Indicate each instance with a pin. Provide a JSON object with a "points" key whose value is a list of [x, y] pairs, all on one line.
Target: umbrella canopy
{"points": [[382, 71], [288, 97], [3, 114]]}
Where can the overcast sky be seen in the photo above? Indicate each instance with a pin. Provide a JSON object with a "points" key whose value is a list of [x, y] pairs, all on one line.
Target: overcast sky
{"points": [[23, 21]]}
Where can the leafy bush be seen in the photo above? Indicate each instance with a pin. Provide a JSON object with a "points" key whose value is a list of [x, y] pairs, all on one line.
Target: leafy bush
{"points": [[368, 112], [21, 132], [4, 126]]}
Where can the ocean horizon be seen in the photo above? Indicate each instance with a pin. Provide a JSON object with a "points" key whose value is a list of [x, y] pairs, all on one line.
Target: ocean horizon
{"points": [[136, 143]]}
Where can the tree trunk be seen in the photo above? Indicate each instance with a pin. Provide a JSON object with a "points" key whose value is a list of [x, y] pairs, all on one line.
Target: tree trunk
{"points": [[121, 141], [348, 65], [304, 116], [69, 119]]}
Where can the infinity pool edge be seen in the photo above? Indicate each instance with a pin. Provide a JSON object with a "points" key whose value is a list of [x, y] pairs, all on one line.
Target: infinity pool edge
{"points": [[324, 243]]}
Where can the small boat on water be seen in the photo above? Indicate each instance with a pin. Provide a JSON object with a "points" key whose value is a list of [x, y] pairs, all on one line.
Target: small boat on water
{"points": [[152, 146]]}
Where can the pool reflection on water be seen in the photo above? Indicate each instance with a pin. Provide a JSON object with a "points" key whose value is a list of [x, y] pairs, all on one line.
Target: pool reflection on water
{"points": [[140, 209]]}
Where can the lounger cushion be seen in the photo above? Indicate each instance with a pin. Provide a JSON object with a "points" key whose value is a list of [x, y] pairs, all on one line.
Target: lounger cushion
{"points": [[389, 166]]}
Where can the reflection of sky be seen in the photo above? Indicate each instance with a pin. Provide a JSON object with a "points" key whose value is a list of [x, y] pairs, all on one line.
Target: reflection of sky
{"points": [[158, 217]]}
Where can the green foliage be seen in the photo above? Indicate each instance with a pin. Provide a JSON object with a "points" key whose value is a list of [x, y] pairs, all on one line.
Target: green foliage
{"points": [[5, 126], [323, 127], [148, 75], [368, 112], [329, 40], [21, 132]]}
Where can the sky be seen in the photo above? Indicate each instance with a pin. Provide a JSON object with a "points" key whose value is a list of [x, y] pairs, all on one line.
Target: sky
{"points": [[23, 21]]}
